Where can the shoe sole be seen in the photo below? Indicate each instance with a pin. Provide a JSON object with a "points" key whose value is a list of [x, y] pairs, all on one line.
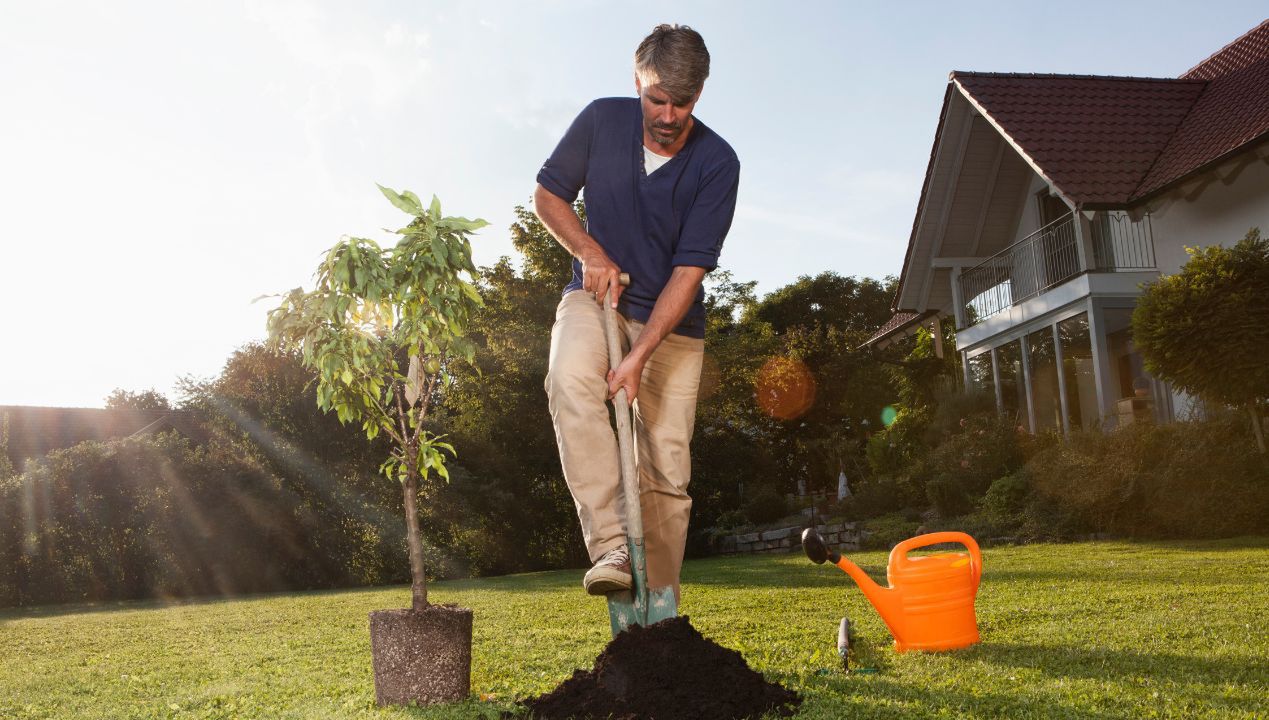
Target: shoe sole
{"points": [[601, 581]]}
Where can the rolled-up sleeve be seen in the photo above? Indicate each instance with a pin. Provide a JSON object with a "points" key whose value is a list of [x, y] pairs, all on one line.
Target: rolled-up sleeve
{"points": [[710, 218], [564, 173]]}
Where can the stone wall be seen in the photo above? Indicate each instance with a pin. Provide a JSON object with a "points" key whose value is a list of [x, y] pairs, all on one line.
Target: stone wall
{"points": [[844, 536]]}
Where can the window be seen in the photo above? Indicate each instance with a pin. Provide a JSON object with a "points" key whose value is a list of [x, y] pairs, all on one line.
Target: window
{"points": [[1013, 391], [1077, 372]]}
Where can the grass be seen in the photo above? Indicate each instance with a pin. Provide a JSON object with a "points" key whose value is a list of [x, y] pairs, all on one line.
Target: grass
{"points": [[1092, 630]]}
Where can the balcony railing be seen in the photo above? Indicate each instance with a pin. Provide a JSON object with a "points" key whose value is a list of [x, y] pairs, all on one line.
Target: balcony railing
{"points": [[1049, 257], [1119, 243]]}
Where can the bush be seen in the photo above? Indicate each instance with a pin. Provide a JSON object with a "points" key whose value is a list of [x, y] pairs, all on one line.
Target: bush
{"points": [[950, 414], [1007, 497], [157, 516], [983, 448], [765, 505], [883, 533], [880, 495], [892, 450], [948, 496], [1195, 479]]}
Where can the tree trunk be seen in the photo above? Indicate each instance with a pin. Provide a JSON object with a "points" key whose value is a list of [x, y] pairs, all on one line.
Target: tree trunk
{"points": [[1255, 426], [419, 585]]}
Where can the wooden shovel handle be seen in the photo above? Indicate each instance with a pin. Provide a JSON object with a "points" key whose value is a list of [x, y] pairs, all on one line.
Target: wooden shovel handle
{"points": [[625, 427]]}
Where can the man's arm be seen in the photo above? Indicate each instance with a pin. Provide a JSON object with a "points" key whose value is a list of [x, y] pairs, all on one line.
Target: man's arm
{"points": [[672, 304], [599, 272]]}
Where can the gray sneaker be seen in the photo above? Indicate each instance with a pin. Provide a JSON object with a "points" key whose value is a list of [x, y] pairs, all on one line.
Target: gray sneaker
{"points": [[610, 574]]}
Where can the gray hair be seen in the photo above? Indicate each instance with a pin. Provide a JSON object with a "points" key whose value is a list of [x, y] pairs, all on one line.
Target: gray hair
{"points": [[673, 57]]}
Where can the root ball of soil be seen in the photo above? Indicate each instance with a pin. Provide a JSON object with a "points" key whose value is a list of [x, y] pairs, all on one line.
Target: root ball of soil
{"points": [[667, 671]]}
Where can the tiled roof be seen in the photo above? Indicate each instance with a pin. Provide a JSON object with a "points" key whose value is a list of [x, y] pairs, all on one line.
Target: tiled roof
{"points": [[1112, 141], [1249, 49], [1232, 112], [1095, 138]]}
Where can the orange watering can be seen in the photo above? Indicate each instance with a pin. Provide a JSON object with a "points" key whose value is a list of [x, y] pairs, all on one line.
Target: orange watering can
{"points": [[930, 602]]}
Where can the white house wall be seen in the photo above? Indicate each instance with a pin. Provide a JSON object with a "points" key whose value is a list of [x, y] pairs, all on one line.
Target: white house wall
{"points": [[1221, 214], [1029, 219]]}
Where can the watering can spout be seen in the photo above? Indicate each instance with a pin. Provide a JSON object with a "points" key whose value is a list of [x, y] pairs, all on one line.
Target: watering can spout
{"points": [[886, 600]]}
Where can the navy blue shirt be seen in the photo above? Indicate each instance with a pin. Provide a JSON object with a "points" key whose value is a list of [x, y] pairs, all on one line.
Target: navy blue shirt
{"points": [[647, 224]]}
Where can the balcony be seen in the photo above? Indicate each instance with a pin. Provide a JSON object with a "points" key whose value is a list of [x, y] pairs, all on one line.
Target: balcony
{"points": [[1049, 257]]}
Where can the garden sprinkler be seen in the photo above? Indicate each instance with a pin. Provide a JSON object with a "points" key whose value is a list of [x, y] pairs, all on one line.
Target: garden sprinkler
{"points": [[843, 643], [930, 602]]}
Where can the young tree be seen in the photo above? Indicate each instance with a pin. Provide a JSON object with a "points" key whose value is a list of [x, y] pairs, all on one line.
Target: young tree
{"points": [[1206, 328], [379, 329]]}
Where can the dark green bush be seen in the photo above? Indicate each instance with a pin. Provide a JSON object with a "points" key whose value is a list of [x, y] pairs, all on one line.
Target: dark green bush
{"points": [[949, 415], [880, 495], [892, 450], [948, 496], [158, 516], [1007, 497], [1191, 479], [883, 533], [765, 505]]}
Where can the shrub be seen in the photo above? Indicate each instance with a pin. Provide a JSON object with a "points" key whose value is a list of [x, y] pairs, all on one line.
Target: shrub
{"points": [[892, 450], [950, 414], [948, 496], [880, 495], [883, 533], [1007, 497], [765, 505], [1205, 329], [1195, 479]]}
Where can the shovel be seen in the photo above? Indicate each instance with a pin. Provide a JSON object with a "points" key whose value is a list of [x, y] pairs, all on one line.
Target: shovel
{"points": [[640, 605]]}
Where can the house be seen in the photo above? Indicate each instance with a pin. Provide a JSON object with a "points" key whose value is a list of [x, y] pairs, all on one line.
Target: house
{"points": [[1050, 199]]}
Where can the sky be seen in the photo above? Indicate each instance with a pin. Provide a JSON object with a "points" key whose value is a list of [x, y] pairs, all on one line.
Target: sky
{"points": [[164, 163]]}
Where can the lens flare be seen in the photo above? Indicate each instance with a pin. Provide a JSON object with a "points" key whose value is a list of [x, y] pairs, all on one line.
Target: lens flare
{"points": [[785, 388], [888, 415]]}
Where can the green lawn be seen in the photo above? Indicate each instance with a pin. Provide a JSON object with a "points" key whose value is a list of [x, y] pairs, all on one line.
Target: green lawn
{"points": [[1094, 630]]}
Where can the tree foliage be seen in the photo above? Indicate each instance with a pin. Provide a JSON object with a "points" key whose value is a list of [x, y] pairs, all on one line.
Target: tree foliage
{"points": [[1205, 329], [144, 400], [380, 329], [508, 508]]}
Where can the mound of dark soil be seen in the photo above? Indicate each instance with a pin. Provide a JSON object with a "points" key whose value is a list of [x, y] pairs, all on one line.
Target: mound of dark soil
{"points": [[667, 671]]}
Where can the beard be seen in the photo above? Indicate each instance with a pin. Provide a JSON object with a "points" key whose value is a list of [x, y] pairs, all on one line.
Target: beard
{"points": [[664, 133]]}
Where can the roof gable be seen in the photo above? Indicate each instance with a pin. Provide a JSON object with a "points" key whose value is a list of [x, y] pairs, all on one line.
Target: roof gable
{"points": [[1094, 138], [1115, 141]]}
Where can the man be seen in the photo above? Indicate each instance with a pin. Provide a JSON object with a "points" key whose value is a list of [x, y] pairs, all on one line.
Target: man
{"points": [[660, 192]]}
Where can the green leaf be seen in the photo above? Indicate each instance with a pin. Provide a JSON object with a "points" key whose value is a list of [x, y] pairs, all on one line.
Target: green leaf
{"points": [[410, 203], [434, 211], [461, 224], [440, 250]]}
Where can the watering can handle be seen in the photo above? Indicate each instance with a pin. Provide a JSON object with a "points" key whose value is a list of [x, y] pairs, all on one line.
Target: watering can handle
{"points": [[975, 557]]}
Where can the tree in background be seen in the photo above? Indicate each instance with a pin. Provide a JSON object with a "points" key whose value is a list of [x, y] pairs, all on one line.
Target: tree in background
{"points": [[1205, 329], [322, 487], [6, 466], [145, 400], [507, 508], [822, 321], [380, 329]]}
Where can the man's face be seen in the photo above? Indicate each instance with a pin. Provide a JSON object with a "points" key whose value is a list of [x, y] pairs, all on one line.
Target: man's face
{"points": [[663, 121]]}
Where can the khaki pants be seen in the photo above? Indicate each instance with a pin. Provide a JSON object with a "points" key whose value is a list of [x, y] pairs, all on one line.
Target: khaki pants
{"points": [[664, 414]]}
